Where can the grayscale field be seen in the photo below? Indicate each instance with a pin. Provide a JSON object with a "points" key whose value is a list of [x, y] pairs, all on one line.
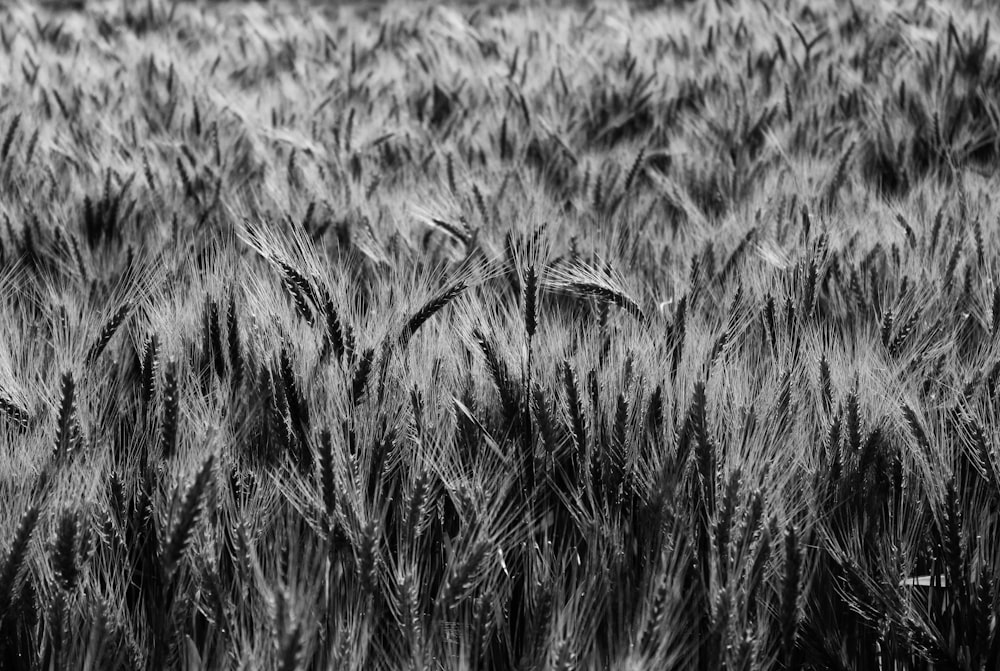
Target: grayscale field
{"points": [[536, 336]]}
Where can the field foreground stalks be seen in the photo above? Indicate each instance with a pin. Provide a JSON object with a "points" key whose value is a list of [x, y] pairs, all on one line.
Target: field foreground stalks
{"points": [[522, 337]]}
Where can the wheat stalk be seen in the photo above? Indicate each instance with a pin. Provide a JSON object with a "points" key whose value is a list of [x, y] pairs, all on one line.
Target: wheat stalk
{"points": [[29, 153], [977, 234], [886, 330], [107, 332], [757, 568], [724, 525], [299, 300], [462, 576], [326, 480], [617, 455], [64, 556], [530, 302], [8, 139], [949, 271], [335, 335], [299, 284], [936, 230], [480, 204], [606, 293], [499, 373], [359, 382], [428, 310], [150, 366], [292, 648], [368, 557], [67, 431], [183, 528], [15, 559], [705, 458], [171, 411], [995, 312], [215, 339], [189, 190], [14, 412], [825, 383], [836, 182], [853, 423], [409, 613], [419, 505], [545, 423], [770, 322], [809, 295], [790, 592], [952, 546], [737, 254], [586, 281], [298, 410], [634, 170], [458, 232], [236, 362], [903, 333], [911, 237]]}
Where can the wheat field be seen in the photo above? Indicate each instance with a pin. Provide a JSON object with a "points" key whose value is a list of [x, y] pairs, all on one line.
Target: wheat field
{"points": [[535, 336]]}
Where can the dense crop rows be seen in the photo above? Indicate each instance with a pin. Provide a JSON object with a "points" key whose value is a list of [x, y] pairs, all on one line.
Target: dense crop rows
{"points": [[534, 337]]}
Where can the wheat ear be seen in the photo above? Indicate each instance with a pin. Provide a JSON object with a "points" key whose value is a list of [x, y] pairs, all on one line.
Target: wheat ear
{"points": [[66, 429], [359, 382], [183, 528], [15, 560], [428, 310], [171, 411], [8, 139], [64, 556]]}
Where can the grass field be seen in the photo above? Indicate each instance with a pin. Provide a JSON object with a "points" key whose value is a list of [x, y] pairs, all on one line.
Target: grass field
{"points": [[510, 337]]}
